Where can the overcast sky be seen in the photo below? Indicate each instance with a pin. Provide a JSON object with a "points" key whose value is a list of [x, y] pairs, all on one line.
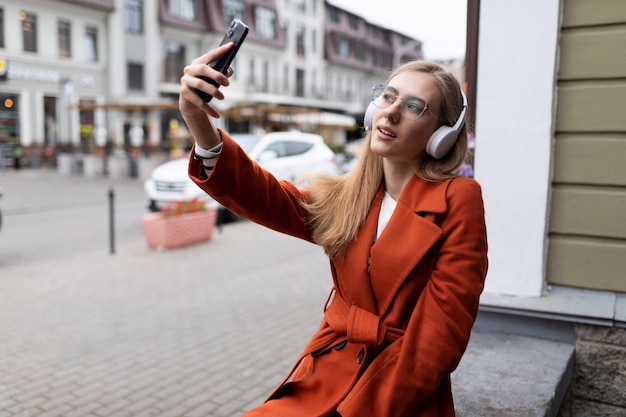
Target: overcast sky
{"points": [[439, 24]]}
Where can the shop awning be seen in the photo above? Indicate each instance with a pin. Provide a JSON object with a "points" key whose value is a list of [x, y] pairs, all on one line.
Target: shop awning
{"points": [[272, 112]]}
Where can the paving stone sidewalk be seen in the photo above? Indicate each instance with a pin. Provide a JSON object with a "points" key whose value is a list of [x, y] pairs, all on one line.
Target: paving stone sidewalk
{"points": [[207, 330]]}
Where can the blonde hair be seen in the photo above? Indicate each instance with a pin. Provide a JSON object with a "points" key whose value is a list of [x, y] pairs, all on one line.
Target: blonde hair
{"points": [[338, 206]]}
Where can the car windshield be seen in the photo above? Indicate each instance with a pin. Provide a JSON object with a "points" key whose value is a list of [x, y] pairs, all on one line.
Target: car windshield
{"points": [[247, 142]]}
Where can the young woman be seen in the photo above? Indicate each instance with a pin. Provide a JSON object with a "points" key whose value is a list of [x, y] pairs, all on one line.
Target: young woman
{"points": [[405, 237]]}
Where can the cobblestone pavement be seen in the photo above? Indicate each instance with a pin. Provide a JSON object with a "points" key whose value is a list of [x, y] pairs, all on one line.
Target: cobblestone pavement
{"points": [[207, 330]]}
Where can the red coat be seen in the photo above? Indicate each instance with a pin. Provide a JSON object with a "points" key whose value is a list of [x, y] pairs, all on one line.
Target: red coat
{"points": [[390, 338]]}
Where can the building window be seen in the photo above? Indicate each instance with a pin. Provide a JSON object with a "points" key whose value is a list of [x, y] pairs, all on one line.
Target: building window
{"points": [[91, 44], [286, 77], [174, 54], [329, 84], [135, 76], [251, 78], [300, 38], [9, 114], [333, 14], [265, 22], [183, 9], [300, 83], [301, 5], [339, 88], [64, 31], [86, 126], [353, 22], [360, 50], [377, 33], [134, 16], [29, 31], [1, 28], [232, 9], [50, 115], [266, 77], [342, 46]]}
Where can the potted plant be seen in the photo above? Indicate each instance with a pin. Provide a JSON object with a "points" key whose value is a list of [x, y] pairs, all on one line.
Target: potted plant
{"points": [[179, 224]]}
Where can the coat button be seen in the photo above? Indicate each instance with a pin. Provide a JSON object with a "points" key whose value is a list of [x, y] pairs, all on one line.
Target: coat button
{"points": [[360, 356]]}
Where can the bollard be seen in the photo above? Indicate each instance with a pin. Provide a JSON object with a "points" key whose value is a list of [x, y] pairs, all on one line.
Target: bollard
{"points": [[111, 221]]}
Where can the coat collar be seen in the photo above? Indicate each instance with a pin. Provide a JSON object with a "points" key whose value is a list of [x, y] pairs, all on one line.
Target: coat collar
{"points": [[408, 236]]}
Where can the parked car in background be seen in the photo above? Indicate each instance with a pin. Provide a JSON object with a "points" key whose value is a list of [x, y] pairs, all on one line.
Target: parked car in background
{"points": [[292, 155], [287, 155]]}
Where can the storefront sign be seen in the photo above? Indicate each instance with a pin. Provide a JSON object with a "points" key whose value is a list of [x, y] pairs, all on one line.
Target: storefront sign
{"points": [[45, 75]]}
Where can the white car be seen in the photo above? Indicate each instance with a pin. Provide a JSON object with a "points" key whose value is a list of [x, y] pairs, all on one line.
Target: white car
{"points": [[287, 155]]}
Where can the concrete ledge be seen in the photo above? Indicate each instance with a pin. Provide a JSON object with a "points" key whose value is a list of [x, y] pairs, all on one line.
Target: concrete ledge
{"points": [[505, 375], [602, 308]]}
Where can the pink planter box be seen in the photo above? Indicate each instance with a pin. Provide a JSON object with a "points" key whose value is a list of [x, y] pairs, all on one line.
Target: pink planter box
{"points": [[177, 231]]}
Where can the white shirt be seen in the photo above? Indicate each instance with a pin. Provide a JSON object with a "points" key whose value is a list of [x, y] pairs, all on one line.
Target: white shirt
{"points": [[386, 210]]}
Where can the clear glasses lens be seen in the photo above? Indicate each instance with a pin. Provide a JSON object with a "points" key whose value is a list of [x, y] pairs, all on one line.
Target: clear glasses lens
{"points": [[411, 108]]}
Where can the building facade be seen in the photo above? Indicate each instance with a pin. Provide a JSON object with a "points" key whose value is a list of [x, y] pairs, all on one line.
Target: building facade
{"points": [[94, 76], [550, 146]]}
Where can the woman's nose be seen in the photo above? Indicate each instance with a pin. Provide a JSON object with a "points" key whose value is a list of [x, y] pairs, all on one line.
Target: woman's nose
{"points": [[393, 111]]}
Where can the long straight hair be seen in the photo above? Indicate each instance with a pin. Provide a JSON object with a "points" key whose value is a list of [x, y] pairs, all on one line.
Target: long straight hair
{"points": [[338, 206]]}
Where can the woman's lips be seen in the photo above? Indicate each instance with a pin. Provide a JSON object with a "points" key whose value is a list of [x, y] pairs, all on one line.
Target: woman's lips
{"points": [[386, 132]]}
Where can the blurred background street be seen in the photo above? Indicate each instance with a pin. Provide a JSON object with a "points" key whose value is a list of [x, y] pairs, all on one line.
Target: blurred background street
{"points": [[208, 329]]}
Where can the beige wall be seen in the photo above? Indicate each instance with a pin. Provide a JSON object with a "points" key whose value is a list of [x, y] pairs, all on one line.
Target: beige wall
{"points": [[587, 239]]}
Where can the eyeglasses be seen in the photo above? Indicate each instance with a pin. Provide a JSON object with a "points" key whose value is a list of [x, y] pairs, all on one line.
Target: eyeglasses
{"points": [[411, 107]]}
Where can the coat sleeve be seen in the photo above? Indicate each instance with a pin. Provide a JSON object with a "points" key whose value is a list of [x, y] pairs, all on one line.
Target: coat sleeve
{"points": [[411, 371], [249, 191]]}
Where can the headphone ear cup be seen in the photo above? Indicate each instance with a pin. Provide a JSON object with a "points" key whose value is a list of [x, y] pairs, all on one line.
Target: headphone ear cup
{"points": [[369, 116], [441, 141]]}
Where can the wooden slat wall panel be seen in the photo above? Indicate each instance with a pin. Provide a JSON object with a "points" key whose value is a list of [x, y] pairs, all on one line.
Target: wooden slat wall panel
{"points": [[593, 12], [587, 231], [587, 263], [589, 211], [590, 159], [594, 106], [583, 49]]}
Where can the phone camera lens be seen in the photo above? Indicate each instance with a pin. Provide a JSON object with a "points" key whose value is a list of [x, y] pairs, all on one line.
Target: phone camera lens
{"points": [[230, 33]]}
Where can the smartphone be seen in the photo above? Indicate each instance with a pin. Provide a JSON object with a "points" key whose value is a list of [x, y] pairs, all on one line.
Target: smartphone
{"points": [[236, 33]]}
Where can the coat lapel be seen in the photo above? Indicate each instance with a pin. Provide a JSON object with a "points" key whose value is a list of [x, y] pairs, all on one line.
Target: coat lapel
{"points": [[409, 235]]}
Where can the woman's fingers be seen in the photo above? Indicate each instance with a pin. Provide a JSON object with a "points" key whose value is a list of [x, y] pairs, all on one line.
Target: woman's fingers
{"points": [[198, 76]]}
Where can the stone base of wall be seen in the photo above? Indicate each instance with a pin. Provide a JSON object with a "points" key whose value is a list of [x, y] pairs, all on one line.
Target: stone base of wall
{"points": [[599, 386]]}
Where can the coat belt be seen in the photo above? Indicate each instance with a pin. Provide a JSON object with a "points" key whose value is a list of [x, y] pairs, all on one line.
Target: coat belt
{"points": [[360, 325]]}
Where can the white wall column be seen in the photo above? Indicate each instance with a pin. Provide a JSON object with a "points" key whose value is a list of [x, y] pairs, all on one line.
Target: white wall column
{"points": [[517, 61]]}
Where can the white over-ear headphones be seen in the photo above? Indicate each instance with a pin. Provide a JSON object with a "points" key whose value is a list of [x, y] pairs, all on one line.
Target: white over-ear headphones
{"points": [[442, 139]]}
